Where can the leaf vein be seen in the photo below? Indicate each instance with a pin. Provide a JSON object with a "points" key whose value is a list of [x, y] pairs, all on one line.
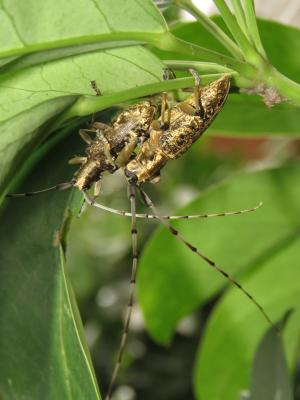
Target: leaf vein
{"points": [[13, 23], [103, 15], [132, 63], [148, 12]]}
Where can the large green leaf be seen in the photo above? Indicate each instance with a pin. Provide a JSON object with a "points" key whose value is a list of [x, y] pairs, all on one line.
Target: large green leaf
{"points": [[173, 283], [30, 96], [244, 114], [235, 327], [42, 349], [55, 24], [63, 52]]}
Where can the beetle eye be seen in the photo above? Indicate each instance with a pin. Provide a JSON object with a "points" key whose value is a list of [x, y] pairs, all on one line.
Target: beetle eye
{"points": [[132, 178]]}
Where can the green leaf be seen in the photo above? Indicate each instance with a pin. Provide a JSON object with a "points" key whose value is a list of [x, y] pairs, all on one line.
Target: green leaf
{"points": [[61, 24], [245, 114], [63, 53], [42, 349], [31, 96], [235, 328], [270, 376], [177, 282]]}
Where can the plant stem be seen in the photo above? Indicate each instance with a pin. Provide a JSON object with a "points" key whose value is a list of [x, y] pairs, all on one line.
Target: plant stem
{"points": [[252, 26], [239, 15], [288, 89], [230, 20], [204, 67], [110, 39], [268, 76], [164, 41], [86, 105], [172, 43], [211, 27], [218, 70]]}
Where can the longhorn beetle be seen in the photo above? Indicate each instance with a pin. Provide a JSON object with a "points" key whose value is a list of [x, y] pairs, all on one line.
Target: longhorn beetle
{"points": [[141, 145]]}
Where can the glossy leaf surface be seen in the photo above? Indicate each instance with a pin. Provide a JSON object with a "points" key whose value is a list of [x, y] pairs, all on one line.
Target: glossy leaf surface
{"points": [[42, 348]]}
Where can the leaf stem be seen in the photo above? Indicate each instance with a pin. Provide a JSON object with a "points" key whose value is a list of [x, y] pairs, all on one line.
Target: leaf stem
{"points": [[251, 20], [113, 39], [240, 15], [86, 105], [204, 67], [218, 70], [170, 42], [211, 27], [231, 22]]}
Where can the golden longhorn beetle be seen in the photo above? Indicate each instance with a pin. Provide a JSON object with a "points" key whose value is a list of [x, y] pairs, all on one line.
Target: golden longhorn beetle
{"points": [[178, 128], [141, 144]]}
